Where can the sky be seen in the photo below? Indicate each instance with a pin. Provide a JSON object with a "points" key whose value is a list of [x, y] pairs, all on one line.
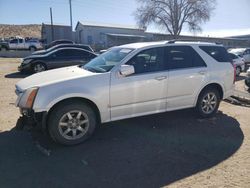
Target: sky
{"points": [[231, 17]]}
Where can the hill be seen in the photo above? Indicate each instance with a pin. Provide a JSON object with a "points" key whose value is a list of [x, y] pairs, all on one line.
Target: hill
{"points": [[32, 30]]}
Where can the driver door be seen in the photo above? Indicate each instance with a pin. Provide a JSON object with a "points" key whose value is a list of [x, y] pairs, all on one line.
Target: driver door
{"points": [[143, 92]]}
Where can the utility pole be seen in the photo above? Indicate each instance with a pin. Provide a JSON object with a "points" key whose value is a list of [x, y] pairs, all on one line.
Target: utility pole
{"points": [[51, 24], [70, 8]]}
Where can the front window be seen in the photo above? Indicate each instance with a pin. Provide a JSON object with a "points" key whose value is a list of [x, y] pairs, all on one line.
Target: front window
{"points": [[106, 61]]}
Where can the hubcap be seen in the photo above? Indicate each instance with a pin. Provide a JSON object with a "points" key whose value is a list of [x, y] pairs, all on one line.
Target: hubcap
{"points": [[39, 68], [209, 103], [73, 125]]}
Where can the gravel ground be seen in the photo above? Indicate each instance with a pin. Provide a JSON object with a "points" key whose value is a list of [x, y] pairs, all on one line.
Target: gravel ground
{"points": [[171, 149]]}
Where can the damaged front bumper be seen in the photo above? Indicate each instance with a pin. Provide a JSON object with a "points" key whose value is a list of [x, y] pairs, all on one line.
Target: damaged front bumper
{"points": [[31, 119]]}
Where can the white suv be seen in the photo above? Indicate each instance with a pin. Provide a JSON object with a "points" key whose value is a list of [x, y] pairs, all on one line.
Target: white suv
{"points": [[127, 81]]}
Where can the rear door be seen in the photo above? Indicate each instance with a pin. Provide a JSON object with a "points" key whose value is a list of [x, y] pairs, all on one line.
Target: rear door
{"points": [[80, 56], [21, 44], [187, 74], [60, 58]]}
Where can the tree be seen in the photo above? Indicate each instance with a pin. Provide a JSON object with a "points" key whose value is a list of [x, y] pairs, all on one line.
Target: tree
{"points": [[173, 15]]}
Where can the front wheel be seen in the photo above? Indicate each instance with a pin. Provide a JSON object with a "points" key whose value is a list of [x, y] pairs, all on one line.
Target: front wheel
{"points": [[208, 102], [38, 67], [71, 123]]}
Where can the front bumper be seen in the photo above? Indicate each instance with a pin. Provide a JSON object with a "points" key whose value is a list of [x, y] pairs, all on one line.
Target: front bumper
{"points": [[36, 120], [24, 68]]}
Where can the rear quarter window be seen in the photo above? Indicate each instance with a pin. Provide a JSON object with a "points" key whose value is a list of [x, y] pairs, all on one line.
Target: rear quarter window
{"points": [[218, 53]]}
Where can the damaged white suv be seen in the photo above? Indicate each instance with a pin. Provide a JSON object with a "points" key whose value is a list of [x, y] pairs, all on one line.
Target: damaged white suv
{"points": [[127, 81]]}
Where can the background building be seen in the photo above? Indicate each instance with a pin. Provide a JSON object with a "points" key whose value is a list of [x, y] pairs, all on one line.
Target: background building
{"points": [[59, 32], [102, 36]]}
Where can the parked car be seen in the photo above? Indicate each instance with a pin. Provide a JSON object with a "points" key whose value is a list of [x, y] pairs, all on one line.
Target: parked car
{"points": [[127, 81], [238, 62], [247, 80], [242, 52], [21, 44], [81, 46], [56, 42], [61, 57]]}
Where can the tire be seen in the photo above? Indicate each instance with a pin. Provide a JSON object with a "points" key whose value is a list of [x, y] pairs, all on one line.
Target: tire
{"points": [[238, 71], [208, 107], [38, 67], [71, 123], [32, 48], [247, 82]]}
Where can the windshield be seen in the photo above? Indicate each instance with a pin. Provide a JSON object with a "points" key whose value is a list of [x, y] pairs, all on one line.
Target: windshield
{"points": [[106, 61]]}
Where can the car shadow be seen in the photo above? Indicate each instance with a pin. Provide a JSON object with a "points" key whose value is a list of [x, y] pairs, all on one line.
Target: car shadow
{"points": [[17, 75], [150, 151]]}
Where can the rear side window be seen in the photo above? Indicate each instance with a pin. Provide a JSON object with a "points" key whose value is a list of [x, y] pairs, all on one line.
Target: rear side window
{"points": [[87, 48], [180, 57], [218, 53]]}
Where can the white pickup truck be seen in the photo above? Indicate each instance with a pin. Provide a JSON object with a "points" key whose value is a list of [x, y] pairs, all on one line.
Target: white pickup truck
{"points": [[21, 44]]}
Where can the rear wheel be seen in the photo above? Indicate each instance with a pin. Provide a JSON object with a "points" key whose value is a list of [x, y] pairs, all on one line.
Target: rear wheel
{"points": [[38, 67], [72, 123], [208, 102]]}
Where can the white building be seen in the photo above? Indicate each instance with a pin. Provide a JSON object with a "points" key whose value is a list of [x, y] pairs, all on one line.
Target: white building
{"points": [[101, 36]]}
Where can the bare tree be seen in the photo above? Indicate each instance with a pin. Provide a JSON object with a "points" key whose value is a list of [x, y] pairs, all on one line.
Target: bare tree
{"points": [[174, 14]]}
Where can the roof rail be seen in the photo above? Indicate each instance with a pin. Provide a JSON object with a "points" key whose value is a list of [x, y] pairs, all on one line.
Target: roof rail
{"points": [[218, 43], [171, 41]]}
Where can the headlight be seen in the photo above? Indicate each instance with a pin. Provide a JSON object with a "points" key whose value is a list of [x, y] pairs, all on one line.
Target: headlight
{"points": [[28, 98]]}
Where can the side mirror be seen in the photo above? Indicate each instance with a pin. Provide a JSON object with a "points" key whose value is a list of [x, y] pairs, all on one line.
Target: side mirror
{"points": [[127, 70]]}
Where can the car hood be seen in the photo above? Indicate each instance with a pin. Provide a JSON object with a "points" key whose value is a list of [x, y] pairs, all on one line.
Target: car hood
{"points": [[53, 76], [35, 56], [39, 52]]}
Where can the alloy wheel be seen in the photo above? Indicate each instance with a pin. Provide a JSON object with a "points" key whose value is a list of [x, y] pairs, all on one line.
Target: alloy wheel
{"points": [[209, 103], [73, 125], [39, 68]]}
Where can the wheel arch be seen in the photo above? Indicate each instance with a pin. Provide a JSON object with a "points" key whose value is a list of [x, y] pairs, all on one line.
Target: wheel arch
{"points": [[217, 86], [73, 99], [33, 62]]}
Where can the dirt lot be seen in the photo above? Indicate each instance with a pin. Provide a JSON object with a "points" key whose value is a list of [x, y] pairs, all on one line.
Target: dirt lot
{"points": [[171, 149]]}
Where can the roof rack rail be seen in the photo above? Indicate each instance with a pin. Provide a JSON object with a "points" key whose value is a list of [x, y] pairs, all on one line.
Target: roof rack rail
{"points": [[171, 41]]}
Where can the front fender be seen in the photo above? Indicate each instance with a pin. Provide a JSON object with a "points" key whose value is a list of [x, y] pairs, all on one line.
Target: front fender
{"points": [[97, 92]]}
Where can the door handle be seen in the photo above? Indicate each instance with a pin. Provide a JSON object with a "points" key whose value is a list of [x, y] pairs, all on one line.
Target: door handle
{"points": [[161, 78], [202, 72]]}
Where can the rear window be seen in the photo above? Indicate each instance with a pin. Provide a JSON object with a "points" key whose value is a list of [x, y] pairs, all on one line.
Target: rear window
{"points": [[218, 53]]}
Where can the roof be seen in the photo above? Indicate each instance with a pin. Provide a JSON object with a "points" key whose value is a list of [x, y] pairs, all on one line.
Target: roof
{"points": [[163, 43], [125, 35], [55, 25], [107, 25]]}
